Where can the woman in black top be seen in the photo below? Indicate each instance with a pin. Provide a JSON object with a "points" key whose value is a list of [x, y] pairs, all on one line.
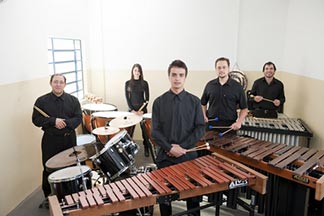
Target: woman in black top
{"points": [[137, 97], [137, 91]]}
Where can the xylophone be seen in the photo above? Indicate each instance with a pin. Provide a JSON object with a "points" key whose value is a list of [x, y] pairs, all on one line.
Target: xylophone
{"points": [[290, 131], [204, 175], [295, 164]]}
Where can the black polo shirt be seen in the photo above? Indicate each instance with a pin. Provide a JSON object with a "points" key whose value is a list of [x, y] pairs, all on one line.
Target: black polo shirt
{"points": [[272, 91], [223, 100]]}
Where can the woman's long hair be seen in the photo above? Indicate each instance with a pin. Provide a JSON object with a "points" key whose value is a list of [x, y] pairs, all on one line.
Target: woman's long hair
{"points": [[141, 78]]}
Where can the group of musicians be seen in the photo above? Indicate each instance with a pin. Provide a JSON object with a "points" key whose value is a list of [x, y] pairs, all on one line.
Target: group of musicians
{"points": [[179, 118]]}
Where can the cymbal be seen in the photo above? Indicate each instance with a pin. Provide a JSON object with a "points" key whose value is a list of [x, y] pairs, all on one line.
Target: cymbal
{"points": [[105, 130], [69, 156], [125, 121]]}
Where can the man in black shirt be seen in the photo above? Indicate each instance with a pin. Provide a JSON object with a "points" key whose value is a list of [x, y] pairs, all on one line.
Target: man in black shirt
{"points": [[177, 125], [268, 88], [64, 115], [223, 96]]}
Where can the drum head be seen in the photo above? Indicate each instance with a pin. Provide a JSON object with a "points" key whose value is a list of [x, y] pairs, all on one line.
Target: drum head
{"points": [[111, 114], [99, 107], [115, 139], [68, 174], [85, 139], [147, 116]]}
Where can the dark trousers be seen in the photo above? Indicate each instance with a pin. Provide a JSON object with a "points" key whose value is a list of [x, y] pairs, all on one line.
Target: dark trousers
{"points": [[52, 145], [166, 208]]}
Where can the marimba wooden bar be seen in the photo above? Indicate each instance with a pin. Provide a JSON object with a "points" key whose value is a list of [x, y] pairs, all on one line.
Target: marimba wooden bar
{"points": [[204, 175], [292, 168]]}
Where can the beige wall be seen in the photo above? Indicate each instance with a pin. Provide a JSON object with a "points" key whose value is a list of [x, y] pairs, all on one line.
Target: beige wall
{"points": [[20, 155]]}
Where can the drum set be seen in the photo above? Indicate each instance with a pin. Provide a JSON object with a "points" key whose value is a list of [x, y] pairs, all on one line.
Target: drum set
{"points": [[98, 158]]}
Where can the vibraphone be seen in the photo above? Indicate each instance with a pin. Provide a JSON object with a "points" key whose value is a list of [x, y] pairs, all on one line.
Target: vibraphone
{"points": [[283, 130], [204, 175], [292, 166]]}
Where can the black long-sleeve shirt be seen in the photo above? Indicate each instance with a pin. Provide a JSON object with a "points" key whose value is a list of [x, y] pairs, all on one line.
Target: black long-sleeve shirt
{"points": [[177, 119], [66, 107], [272, 91], [137, 92], [223, 100]]}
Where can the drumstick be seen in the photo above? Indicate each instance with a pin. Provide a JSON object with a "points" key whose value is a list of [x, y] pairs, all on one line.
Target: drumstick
{"points": [[197, 148], [225, 132], [140, 109], [214, 119], [41, 112], [265, 99]]}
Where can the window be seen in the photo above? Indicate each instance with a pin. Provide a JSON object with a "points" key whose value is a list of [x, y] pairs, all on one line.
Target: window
{"points": [[65, 57]]}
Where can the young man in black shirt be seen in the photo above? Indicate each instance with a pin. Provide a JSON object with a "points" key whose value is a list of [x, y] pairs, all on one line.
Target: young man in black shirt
{"points": [[63, 116], [268, 88], [224, 96], [177, 125]]}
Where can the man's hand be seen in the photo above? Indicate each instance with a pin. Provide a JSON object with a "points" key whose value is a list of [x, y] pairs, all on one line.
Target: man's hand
{"points": [[60, 123], [258, 98], [176, 151], [276, 102], [236, 125]]}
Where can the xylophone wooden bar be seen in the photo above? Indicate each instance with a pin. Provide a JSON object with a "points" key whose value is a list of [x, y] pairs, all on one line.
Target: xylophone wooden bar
{"points": [[201, 176]]}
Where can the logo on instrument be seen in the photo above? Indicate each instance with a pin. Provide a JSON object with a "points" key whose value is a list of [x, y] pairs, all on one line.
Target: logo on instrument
{"points": [[301, 179], [238, 183]]}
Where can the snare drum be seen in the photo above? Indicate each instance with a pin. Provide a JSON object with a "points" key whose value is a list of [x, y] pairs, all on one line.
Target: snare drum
{"points": [[117, 155], [90, 108], [69, 180]]}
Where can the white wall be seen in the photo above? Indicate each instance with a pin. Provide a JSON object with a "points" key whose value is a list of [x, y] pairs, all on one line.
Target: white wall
{"points": [[261, 33], [304, 44], [156, 32]]}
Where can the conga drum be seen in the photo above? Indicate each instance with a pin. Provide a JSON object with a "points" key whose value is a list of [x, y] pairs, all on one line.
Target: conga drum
{"points": [[88, 109], [146, 124]]}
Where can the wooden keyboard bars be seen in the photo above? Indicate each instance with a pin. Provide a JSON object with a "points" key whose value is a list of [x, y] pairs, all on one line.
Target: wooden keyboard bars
{"points": [[204, 175], [299, 164]]}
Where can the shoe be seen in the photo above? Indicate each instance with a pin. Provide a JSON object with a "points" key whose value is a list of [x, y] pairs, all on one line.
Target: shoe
{"points": [[44, 204], [146, 152]]}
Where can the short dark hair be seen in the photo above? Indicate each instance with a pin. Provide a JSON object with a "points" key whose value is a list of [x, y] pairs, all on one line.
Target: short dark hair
{"points": [[179, 64], [222, 59], [269, 63], [57, 74]]}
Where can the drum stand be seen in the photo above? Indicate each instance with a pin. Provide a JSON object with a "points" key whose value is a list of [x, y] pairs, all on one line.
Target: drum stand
{"points": [[84, 185]]}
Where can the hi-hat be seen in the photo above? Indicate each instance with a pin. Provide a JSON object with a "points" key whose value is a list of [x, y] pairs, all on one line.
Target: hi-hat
{"points": [[70, 156], [105, 130], [125, 121]]}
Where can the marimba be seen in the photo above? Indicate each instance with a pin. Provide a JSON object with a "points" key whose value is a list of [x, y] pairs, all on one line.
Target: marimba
{"points": [[290, 131], [300, 165], [204, 175]]}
